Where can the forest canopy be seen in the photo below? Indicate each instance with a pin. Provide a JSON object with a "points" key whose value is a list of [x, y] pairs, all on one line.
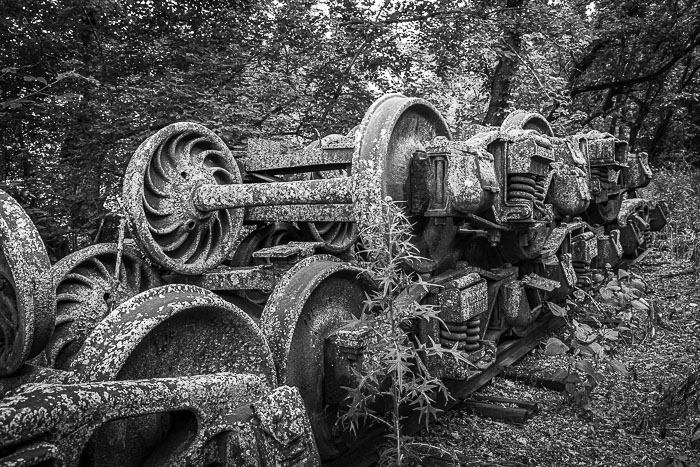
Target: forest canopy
{"points": [[84, 82]]}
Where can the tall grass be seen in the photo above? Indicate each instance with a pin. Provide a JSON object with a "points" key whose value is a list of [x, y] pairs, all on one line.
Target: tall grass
{"points": [[679, 187]]}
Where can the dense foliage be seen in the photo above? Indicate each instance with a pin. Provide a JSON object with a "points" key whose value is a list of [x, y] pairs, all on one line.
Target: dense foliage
{"points": [[83, 82]]}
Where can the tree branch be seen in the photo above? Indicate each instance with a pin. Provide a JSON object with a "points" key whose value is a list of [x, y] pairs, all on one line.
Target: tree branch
{"points": [[640, 79]]}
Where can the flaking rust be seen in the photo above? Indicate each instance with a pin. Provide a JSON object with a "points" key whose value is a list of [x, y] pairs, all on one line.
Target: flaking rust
{"points": [[26, 326], [245, 356], [58, 422]]}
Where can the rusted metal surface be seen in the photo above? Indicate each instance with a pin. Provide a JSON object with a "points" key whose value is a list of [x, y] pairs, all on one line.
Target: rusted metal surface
{"points": [[211, 197], [203, 419], [313, 299], [320, 213], [86, 291], [466, 180], [259, 277], [289, 251], [392, 129], [174, 330], [274, 157], [638, 174], [524, 120], [495, 218], [570, 192], [633, 222], [658, 216], [25, 325], [159, 188], [341, 232]]}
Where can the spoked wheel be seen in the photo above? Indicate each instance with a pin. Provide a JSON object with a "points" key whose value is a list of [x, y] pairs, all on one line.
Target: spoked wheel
{"points": [[391, 131], [312, 300], [87, 290], [604, 213], [159, 188], [24, 326], [337, 237], [278, 233], [169, 331]]}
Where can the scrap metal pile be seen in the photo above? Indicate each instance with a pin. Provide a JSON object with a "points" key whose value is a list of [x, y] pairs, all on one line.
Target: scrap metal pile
{"points": [[212, 337]]}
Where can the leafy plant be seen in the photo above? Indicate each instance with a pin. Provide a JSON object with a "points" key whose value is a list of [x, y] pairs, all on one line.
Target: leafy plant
{"points": [[589, 349], [677, 185], [634, 314], [394, 380]]}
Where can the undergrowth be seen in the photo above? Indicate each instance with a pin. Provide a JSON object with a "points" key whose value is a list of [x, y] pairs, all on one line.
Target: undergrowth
{"points": [[679, 187], [394, 379]]}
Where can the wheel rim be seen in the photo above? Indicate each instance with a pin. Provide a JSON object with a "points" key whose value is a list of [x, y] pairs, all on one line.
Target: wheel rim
{"points": [[159, 188], [527, 121], [278, 233], [393, 128], [311, 301], [212, 336], [86, 292], [168, 331], [24, 326]]}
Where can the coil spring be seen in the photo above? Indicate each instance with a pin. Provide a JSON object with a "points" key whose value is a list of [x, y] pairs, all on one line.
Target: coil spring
{"points": [[584, 275], [540, 194], [600, 173], [464, 335], [527, 187], [521, 187]]}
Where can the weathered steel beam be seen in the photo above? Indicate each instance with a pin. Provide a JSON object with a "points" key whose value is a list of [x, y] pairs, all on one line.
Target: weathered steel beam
{"points": [[213, 197], [271, 156], [301, 213]]}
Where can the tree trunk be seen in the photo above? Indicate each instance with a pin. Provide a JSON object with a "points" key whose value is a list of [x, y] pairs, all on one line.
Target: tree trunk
{"points": [[660, 133], [506, 68]]}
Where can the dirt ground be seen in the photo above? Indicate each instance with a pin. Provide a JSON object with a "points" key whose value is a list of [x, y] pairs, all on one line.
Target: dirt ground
{"points": [[645, 418]]}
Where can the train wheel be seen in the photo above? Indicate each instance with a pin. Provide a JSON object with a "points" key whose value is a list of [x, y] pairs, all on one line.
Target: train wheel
{"points": [[312, 300], [278, 233], [169, 331], [391, 131], [520, 119], [337, 237], [86, 290], [161, 177], [24, 325]]}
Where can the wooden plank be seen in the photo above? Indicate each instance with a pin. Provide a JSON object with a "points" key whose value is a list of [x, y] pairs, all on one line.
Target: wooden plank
{"points": [[536, 381], [516, 415], [504, 400]]}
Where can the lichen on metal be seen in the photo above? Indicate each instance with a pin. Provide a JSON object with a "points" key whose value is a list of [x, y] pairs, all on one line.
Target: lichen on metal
{"points": [[392, 129], [159, 186], [26, 325], [86, 290], [524, 120], [292, 249], [231, 278], [174, 330], [313, 299], [301, 213], [85, 421], [271, 156]]}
